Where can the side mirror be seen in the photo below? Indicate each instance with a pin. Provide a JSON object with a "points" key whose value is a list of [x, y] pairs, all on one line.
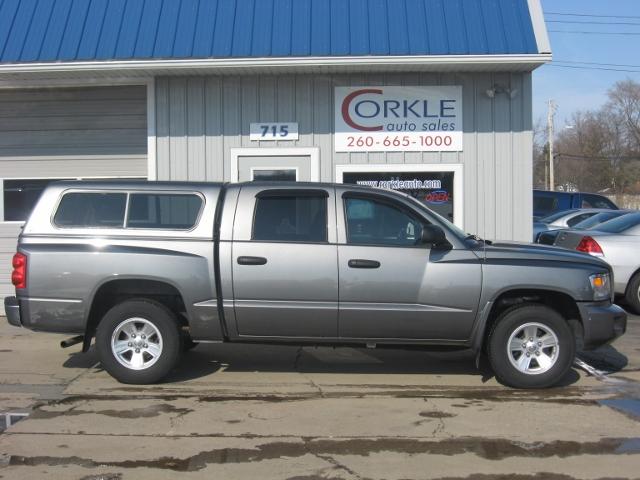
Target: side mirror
{"points": [[434, 235]]}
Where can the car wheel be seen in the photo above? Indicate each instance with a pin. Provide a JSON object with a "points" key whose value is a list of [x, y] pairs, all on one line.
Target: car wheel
{"points": [[139, 341], [633, 294], [531, 346]]}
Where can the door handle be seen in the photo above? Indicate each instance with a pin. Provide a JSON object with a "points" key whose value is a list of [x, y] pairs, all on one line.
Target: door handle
{"points": [[252, 261], [359, 263]]}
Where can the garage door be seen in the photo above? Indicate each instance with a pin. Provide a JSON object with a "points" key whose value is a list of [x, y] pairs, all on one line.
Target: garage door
{"points": [[58, 133]]}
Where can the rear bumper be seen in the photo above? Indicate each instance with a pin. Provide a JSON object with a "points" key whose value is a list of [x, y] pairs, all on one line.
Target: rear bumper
{"points": [[12, 309], [602, 323], [46, 314]]}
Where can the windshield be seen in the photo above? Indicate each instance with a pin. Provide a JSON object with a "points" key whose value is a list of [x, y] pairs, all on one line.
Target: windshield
{"points": [[555, 216], [620, 224], [597, 219]]}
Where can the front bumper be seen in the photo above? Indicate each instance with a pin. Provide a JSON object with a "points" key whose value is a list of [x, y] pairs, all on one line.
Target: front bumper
{"points": [[601, 323], [12, 309]]}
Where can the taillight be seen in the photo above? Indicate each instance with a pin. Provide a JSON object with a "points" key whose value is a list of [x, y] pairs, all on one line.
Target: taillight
{"points": [[590, 246], [19, 274]]}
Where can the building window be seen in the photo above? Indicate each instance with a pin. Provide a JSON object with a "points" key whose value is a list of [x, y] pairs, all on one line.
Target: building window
{"points": [[274, 175], [91, 210], [168, 211], [291, 219], [370, 222], [436, 186], [20, 196]]}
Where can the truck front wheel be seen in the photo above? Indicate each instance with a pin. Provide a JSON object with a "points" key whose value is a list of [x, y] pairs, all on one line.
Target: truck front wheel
{"points": [[531, 346], [139, 341], [633, 293]]}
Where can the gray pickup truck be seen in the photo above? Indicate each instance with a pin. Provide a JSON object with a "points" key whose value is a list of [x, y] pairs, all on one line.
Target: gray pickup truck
{"points": [[150, 268]]}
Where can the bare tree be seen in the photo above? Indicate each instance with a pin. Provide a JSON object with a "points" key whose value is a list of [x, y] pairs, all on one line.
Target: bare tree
{"points": [[624, 107], [602, 150]]}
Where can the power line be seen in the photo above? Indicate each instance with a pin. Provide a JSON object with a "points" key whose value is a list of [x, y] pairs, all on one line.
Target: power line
{"points": [[599, 64], [596, 157], [590, 22], [595, 33], [595, 68], [563, 14]]}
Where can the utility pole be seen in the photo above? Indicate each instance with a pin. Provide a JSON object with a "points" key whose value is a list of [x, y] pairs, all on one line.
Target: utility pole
{"points": [[550, 114]]}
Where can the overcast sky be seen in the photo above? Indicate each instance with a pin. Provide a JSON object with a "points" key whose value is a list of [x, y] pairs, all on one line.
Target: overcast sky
{"points": [[576, 88]]}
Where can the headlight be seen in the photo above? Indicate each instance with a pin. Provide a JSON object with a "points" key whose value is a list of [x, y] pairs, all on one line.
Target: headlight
{"points": [[601, 286]]}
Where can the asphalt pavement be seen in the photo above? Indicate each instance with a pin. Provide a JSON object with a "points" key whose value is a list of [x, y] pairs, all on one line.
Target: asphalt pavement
{"points": [[283, 412]]}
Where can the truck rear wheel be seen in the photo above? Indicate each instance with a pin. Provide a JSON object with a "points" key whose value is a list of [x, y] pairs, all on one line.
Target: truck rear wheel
{"points": [[139, 341], [531, 346]]}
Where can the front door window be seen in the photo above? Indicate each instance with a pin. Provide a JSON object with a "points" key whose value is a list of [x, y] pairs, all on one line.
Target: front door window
{"points": [[370, 222]]}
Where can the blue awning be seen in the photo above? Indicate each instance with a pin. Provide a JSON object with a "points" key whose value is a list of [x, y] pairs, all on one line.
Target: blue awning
{"points": [[47, 31]]}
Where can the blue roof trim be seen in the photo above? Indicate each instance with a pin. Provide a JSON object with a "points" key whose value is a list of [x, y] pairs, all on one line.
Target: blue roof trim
{"points": [[104, 30]]}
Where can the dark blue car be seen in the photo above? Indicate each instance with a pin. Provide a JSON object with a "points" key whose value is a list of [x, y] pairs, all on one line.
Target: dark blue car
{"points": [[546, 202]]}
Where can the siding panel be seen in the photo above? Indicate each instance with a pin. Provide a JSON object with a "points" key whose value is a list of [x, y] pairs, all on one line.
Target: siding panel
{"points": [[214, 141], [497, 135], [195, 129]]}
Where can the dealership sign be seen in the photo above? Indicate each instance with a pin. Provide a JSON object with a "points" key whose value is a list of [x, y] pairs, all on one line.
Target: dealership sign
{"points": [[398, 119]]}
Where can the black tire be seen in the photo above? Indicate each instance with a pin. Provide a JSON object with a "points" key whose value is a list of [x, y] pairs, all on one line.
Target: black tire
{"points": [[158, 316], [512, 321], [632, 296]]}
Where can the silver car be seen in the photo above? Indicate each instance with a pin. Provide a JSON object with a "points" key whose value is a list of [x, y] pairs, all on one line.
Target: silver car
{"points": [[564, 219], [618, 243], [591, 223]]}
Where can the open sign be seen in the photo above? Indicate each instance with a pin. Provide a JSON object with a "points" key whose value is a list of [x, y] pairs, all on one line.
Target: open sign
{"points": [[437, 197]]}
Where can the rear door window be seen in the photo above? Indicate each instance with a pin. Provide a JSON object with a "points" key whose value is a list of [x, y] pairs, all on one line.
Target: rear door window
{"points": [[596, 201], [163, 211], [290, 218], [544, 205], [91, 210]]}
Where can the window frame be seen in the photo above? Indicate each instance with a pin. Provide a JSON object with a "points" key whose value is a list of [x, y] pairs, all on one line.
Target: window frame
{"points": [[54, 212], [159, 193], [291, 192], [386, 201], [128, 193]]}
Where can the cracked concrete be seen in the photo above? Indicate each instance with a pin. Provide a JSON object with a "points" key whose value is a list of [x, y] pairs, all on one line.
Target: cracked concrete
{"points": [[281, 412]]}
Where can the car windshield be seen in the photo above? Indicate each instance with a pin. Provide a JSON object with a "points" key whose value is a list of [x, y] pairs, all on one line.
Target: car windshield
{"points": [[620, 224], [555, 216], [597, 219]]}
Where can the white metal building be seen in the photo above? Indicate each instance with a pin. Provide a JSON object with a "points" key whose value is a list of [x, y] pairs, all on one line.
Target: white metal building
{"points": [[431, 97]]}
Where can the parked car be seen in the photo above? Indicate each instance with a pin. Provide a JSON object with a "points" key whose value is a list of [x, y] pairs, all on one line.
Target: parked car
{"points": [[144, 266], [563, 219], [618, 243], [546, 202], [549, 237]]}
